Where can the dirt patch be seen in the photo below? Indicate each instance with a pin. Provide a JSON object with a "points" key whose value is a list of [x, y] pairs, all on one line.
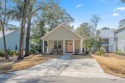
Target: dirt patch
{"points": [[112, 64]]}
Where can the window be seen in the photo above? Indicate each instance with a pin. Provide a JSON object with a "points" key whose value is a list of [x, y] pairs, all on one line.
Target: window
{"points": [[57, 44], [105, 41], [15, 47]]}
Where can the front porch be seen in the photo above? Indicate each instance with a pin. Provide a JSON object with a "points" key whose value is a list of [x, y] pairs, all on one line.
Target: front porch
{"points": [[62, 40], [62, 46]]}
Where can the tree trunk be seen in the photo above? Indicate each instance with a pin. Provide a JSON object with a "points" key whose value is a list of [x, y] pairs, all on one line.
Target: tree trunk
{"points": [[4, 40], [3, 30], [21, 56], [42, 24], [28, 37]]}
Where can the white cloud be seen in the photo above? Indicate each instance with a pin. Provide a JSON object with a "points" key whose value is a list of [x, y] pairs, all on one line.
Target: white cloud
{"points": [[115, 14], [79, 5], [120, 8]]}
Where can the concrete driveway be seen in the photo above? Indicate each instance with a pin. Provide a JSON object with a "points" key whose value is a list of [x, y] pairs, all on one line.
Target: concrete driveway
{"points": [[62, 70]]}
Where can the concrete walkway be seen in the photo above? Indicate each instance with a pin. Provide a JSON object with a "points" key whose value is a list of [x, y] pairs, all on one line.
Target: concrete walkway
{"points": [[62, 70], [67, 56]]}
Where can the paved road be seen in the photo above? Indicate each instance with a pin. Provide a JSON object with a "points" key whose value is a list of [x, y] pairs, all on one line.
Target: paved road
{"points": [[62, 70]]}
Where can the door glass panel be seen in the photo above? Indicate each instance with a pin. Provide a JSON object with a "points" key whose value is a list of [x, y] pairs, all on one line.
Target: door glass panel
{"points": [[59, 44]]}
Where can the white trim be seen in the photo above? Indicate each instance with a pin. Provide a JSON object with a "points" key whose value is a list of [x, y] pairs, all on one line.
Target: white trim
{"points": [[53, 43], [57, 28], [43, 46], [47, 47], [73, 46], [64, 46], [80, 46]]}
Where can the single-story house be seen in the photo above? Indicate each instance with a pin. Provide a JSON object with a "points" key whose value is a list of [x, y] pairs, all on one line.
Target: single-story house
{"points": [[62, 40], [12, 39], [120, 39]]}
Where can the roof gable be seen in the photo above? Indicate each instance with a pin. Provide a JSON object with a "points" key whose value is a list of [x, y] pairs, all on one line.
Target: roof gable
{"points": [[6, 33], [61, 33]]}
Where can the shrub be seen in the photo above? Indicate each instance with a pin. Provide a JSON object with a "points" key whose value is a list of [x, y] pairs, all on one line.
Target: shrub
{"points": [[117, 51], [102, 49], [2, 53], [11, 52], [99, 52], [32, 51], [86, 52]]}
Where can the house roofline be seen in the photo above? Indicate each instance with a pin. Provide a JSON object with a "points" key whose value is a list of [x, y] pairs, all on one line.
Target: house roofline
{"points": [[119, 29], [57, 28]]}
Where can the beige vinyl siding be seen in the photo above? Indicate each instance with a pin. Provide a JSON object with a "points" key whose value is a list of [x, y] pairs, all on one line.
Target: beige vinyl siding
{"points": [[61, 34], [77, 45], [50, 46]]}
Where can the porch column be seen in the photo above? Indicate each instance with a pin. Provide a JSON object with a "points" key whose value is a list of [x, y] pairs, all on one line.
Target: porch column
{"points": [[43, 46], [73, 46], [47, 47], [64, 46], [80, 46]]}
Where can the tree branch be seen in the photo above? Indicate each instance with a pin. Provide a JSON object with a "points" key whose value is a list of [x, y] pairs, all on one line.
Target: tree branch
{"points": [[36, 10]]}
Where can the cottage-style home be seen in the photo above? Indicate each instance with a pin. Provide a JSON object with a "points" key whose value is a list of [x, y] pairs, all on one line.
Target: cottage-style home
{"points": [[62, 40]]}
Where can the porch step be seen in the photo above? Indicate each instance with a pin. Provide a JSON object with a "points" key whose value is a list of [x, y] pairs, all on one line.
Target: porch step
{"points": [[66, 56]]}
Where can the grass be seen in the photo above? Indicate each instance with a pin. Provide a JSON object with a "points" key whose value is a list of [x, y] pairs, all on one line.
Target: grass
{"points": [[28, 62], [113, 64], [81, 56]]}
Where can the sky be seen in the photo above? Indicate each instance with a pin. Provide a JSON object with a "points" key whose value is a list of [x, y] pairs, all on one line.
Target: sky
{"points": [[111, 11]]}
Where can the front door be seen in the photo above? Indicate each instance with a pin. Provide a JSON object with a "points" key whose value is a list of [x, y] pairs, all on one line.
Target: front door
{"points": [[70, 47]]}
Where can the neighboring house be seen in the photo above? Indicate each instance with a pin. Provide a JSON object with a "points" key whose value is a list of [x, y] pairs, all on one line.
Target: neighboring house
{"points": [[12, 39], [107, 37], [120, 39], [62, 40]]}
